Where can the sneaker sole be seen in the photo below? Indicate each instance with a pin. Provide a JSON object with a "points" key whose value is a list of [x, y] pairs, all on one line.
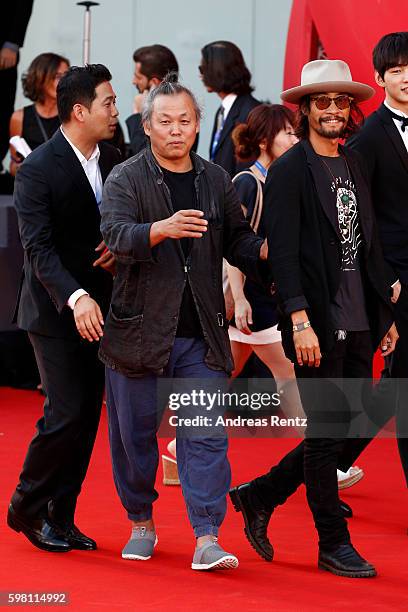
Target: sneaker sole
{"points": [[349, 482], [132, 557], [227, 562], [236, 502], [359, 574]]}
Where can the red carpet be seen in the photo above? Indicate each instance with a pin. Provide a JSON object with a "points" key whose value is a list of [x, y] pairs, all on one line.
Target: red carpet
{"points": [[101, 580]]}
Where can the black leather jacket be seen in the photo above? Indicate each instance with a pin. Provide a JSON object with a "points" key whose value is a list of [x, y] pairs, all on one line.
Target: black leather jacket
{"points": [[142, 321]]}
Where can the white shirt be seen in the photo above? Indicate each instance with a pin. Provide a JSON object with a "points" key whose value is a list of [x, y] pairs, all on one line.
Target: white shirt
{"points": [[93, 174], [227, 102], [404, 135]]}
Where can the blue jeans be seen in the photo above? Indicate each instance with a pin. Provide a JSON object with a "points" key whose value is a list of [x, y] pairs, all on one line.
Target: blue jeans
{"points": [[134, 417]]}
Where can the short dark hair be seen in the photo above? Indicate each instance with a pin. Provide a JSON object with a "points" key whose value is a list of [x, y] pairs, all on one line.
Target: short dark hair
{"points": [[355, 121], [391, 50], [77, 86], [43, 68], [169, 86], [224, 69], [156, 61], [264, 121]]}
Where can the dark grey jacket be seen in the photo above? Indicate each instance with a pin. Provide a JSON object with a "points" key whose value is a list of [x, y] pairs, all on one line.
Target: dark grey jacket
{"points": [[142, 322]]}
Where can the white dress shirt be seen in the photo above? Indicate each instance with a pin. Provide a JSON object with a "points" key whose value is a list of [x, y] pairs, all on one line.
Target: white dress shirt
{"points": [[404, 135], [93, 174], [227, 103]]}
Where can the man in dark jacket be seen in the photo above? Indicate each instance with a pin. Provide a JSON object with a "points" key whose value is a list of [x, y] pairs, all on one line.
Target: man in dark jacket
{"points": [[169, 217], [383, 144], [223, 71], [64, 296], [331, 283]]}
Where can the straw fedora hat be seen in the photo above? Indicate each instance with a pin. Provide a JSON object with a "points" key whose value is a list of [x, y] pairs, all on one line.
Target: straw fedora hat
{"points": [[322, 76]]}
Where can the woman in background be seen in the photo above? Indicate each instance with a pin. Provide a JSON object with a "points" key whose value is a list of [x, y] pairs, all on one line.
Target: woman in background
{"points": [[267, 134], [37, 122]]}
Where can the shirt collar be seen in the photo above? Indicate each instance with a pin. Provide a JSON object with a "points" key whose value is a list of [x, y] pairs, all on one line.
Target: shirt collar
{"points": [[227, 102], [395, 110], [95, 154]]}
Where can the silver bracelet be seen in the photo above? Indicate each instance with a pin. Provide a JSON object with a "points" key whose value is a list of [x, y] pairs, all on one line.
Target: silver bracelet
{"points": [[301, 326]]}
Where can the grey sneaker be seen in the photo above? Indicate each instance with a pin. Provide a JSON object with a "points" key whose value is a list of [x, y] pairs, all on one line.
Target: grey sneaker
{"points": [[141, 544], [212, 556]]}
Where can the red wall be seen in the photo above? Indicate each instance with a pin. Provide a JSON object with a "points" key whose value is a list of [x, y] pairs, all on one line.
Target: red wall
{"points": [[348, 30]]}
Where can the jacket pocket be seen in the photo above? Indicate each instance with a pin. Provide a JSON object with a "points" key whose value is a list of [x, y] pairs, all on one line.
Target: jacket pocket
{"points": [[122, 340]]}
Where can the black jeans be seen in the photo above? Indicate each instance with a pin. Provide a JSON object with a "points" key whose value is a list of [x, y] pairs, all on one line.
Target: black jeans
{"points": [[59, 454], [315, 460]]}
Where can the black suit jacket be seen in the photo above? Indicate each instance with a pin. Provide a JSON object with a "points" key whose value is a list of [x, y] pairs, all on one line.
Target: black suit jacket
{"points": [[305, 247], [224, 154], [14, 20], [386, 158], [59, 227]]}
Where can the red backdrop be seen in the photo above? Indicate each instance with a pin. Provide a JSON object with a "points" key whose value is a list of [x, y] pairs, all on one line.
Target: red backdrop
{"points": [[347, 30]]}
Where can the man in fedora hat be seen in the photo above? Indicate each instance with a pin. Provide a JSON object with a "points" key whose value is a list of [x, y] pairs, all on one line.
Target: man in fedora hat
{"points": [[334, 297]]}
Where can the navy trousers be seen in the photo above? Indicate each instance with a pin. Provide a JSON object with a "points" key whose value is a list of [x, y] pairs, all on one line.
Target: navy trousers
{"points": [[134, 416]]}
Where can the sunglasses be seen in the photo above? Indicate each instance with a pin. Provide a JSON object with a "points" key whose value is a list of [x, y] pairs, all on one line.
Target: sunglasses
{"points": [[200, 69], [324, 102]]}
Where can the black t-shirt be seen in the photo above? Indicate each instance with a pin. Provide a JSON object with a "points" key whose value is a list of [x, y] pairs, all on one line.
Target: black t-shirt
{"points": [[183, 197], [348, 309]]}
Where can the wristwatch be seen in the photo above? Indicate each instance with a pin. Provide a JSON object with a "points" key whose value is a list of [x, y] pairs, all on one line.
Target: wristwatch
{"points": [[301, 326]]}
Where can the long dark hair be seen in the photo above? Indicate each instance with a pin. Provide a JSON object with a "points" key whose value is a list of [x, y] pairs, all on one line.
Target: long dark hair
{"points": [[264, 122], [354, 123], [224, 69], [44, 67]]}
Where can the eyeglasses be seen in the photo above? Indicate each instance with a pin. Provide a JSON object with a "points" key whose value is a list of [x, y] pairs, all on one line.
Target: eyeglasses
{"points": [[324, 102], [201, 70]]}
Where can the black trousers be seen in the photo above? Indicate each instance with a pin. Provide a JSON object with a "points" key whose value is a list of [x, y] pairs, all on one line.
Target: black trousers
{"points": [[59, 454], [399, 369], [315, 460], [8, 82]]}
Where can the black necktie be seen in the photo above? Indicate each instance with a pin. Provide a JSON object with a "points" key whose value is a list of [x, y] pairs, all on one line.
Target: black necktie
{"points": [[404, 120]]}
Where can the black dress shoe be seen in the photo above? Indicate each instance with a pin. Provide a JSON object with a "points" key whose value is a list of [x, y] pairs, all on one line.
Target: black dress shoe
{"points": [[79, 540], [346, 509], [256, 521], [345, 561], [40, 532]]}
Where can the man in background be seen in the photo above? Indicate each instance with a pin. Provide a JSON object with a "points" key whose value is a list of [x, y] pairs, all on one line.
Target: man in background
{"points": [[223, 71], [383, 143], [152, 63]]}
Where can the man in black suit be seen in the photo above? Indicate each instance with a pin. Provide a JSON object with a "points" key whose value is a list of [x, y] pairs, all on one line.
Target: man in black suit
{"points": [[13, 25], [331, 282], [223, 71], [383, 143], [64, 296]]}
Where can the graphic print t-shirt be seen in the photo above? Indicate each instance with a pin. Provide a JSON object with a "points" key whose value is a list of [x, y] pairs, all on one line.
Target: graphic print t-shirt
{"points": [[348, 308]]}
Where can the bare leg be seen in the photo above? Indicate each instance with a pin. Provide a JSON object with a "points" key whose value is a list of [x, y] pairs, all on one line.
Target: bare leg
{"points": [[283, 371], [240, 353]]}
